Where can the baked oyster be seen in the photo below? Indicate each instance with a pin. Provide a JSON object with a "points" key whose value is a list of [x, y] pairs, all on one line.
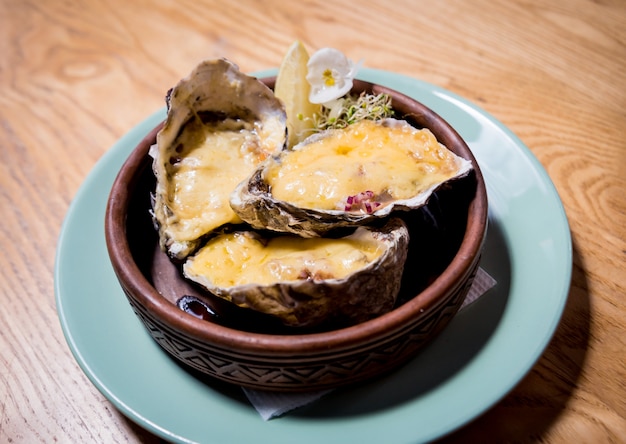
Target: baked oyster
{"points": [[220, 125], [306, 282], [346, 177]]}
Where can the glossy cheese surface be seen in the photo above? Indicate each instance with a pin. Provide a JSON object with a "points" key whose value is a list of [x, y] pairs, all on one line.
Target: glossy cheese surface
{"points": [[208, 162], [394, 162], [239, 259]]}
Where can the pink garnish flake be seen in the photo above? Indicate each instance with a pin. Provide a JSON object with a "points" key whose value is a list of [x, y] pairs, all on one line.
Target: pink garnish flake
{"points": [[362, 202]]}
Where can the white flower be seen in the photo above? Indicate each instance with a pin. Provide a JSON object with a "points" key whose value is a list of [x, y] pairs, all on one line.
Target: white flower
{"points": [[330, 74]]}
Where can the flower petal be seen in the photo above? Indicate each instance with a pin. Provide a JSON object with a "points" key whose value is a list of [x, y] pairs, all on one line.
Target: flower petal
{"points": [[330, 75]]}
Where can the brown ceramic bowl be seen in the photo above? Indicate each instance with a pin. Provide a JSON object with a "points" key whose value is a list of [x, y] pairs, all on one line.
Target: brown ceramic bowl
{"points": [[246, 349]]}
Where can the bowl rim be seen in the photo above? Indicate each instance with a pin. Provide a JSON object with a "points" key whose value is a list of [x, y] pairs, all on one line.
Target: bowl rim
{"points": [[386, 326]]}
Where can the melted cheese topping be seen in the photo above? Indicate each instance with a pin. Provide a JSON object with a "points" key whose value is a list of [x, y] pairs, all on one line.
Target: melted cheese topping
{"points": [[206, 165], [396, 162], [237, 259]]}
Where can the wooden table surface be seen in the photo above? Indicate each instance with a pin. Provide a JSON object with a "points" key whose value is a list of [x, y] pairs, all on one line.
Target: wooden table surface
{"points": [[76, 76]]}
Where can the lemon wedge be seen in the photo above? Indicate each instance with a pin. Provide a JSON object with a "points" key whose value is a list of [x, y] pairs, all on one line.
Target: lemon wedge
{"points": [[293, 89]]}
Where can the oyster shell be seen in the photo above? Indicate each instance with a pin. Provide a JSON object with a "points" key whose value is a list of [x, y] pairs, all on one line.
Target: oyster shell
{"points": [[306, 282], [346, 177], [220, 125]]}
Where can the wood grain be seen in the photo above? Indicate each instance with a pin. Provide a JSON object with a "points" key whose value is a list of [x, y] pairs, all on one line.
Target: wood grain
{"points": [[76, 76]]}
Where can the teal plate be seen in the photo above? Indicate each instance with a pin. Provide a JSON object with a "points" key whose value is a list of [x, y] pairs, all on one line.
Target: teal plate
{"points": [[483, 353]]}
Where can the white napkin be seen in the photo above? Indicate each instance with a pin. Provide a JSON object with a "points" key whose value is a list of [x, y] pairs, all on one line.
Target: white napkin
{"points": [[273, 404]]}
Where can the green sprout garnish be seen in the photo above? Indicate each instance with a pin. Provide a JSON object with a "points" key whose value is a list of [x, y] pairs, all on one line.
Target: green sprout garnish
{"points": [[351, 109]]}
